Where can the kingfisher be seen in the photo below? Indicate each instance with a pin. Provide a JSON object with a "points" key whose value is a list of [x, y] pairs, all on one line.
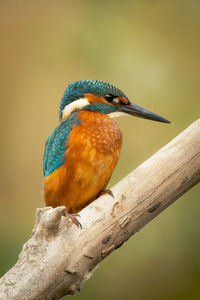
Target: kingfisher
{"points": [[82, 151]]}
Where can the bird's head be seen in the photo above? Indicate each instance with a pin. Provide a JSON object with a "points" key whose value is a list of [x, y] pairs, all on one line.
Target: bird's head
{"points": [[96, 95]]}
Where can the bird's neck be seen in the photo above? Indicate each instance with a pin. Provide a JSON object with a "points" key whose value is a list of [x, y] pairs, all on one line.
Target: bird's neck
{"points": [[74, 106]]}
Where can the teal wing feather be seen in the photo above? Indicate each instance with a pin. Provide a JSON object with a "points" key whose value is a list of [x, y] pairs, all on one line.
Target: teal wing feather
{"points": [[56, 145]]}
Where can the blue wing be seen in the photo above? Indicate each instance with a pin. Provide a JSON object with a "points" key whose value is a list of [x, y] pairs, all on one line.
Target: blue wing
{"points": [[56, 145]]}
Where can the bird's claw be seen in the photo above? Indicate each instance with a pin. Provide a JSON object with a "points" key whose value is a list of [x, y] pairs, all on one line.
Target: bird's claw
{"points": [[107, 191], [74, 219]]}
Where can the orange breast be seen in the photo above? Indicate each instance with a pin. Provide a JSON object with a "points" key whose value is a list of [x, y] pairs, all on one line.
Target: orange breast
{"points": [[93, 149]]}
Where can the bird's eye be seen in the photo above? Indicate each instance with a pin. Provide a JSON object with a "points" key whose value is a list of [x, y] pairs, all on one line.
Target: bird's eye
{"points": [[109, 97]]}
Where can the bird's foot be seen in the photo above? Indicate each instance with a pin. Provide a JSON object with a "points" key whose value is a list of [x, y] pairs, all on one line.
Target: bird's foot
{"points": [[107, 191], [74, 219]]}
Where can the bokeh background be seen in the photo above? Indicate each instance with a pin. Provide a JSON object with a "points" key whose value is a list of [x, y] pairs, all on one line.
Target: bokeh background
{"points": [[149, 49]]}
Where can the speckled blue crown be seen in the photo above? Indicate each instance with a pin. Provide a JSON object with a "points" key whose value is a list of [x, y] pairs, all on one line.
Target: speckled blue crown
{"points": [[78, 89]]}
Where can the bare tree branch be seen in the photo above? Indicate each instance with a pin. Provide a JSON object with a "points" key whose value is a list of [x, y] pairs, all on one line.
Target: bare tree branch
{"points": [[59, 257]]}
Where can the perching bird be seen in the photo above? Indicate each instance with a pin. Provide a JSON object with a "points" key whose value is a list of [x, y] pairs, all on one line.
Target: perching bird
{"points": [[82, 152]]}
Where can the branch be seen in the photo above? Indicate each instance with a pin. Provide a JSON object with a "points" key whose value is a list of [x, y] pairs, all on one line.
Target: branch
{"points": [[59, 257]]}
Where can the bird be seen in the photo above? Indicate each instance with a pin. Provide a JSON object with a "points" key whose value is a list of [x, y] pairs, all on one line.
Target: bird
{"points": [[82, 152]]}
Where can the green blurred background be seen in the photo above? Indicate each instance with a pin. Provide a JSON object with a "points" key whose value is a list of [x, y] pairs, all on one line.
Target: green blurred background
{"points": [[149, 49]]}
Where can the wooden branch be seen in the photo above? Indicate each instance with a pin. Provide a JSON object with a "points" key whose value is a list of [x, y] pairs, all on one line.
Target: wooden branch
{"points": [[59, 257]]}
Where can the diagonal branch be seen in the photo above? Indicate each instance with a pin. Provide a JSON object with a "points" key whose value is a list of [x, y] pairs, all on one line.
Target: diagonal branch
{"points": [[59, 257]]}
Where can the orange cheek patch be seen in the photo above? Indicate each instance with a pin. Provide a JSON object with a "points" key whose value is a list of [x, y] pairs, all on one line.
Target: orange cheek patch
{"points": [[123, 100], [92, 99]]}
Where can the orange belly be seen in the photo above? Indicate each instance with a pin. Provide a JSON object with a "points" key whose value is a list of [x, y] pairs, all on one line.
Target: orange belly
{"points": [[93, 149]]}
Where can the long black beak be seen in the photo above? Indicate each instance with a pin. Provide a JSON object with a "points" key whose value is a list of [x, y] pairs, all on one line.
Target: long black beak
{"points": [[140, 112]]}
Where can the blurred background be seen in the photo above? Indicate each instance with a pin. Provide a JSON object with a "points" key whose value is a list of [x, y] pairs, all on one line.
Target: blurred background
{"points": [[150, 50]]}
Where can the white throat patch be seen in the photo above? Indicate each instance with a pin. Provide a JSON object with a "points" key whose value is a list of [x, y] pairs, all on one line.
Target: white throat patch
{"points": [[75, 105], [117, 114]]}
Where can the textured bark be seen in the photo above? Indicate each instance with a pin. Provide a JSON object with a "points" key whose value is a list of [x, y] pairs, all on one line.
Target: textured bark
{"points": [[59, 256]]}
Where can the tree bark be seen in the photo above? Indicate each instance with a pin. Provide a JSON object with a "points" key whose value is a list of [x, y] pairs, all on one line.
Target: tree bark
{"points": [[59, 256]]}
